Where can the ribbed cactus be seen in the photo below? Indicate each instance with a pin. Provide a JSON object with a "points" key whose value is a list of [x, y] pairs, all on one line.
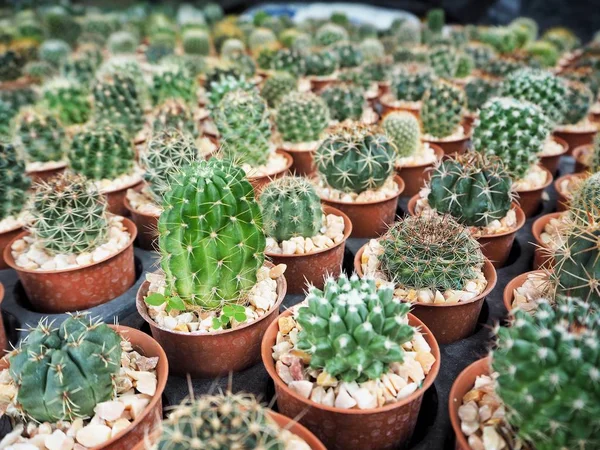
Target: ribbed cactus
{"points": [[404, 132], [160, 45], [117, 101], [348, 54], [167, 152], [121, 42], [464, 66], [434, 253], [173, 82], [354, 158], [321, 63], [217, 89], [196, 42], [18, 97], [232, 47], [372, 49], [261, 38], [442, 109], [63, 372], [513, 130], [548, 370], [54, 51], [69, 215], [13, 181], [545, 53], [79, 68], [409, 83], [174, 113], [242, 119], [291, 207], [594, 160], [210, 257], [41, 135], [503, 66], [330, 33], [69, 99], [277, 86], [302, 117], [353, 330], [101, 152], [482, 54], [585, 204], [539, 87], [408, 33], [479, 90], [39, 70], [474, 189], [345, 101], [579, 99], [289, 60]]}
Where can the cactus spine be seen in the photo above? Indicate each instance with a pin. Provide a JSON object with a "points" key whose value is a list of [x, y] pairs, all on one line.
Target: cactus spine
{"points": [[196, 42], [579, 99], [174, 113], [173, 82], [442, 109], [302, 117], [69, 99], [345, 101], [410, 83], [118, 101], [276, 86]]}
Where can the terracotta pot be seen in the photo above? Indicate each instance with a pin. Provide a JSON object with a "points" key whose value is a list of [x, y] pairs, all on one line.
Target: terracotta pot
{"points": [[388, 104], [303, 160], [551, 162], [384, 88], [468, 121], [39, 176], [151, 415], [3, 338], [259, 183], [215, 354], [388, 427], [495, 247], [311, 268], [454, 147], [575, 138], [77, 289], [541, 254], [595, 117], [581, 154], [5, 239], [317, 84], [461, 386], [116, 199], [370, 219], [529, 200], [415, 177], [563, 198], [448, 322], [508, 294], [147, 225]]}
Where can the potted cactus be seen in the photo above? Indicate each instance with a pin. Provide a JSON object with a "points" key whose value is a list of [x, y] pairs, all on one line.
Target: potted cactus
{"points": [[355, 174], [301, 119], [359, 76], [69, 99], [321, 68], [587, 157], [436, 264], [346, 102], [576, 128], [215, 295], [172, 81], [89, 385], [478, 90], [347, 378], [75, 255], [408, 85], [277, 86]]}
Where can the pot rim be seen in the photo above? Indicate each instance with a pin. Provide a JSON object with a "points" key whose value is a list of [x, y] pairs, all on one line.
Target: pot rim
{"points": [[62, 166], [347, 231], [399, 181], [580, 151], [143, 310], [508, 295], [388, 100], [288, 164], [130, 185], [12, 230], [323, 78], [427, 382], [576, 132], [562, 143], [548, 182], [131, 209], [439, 154], [8, 257], [545, 219], [464, 138], [281, 146], [564, 177]]}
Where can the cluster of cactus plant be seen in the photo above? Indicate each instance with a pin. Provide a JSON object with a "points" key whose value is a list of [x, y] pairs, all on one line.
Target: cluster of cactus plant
{"points": [[579, 100], [173, 82], [302, 117], [277, 86], [216, 90], [81, 69], [11, 64], [13, 181], [41, 135], [7, 113], [262, 38], [444, 61], [118, 101], [404, 132], [289, 60], [348, 54], [411, 82], [69, 99], [345, 101], [174, 113], [442, 109]]}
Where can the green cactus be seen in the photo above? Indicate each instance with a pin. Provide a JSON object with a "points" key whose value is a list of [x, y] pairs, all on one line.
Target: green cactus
{"points": [[39, 70], [372, 49], [60, 24], [174, 113], [503, 66], [18, 96], [211, 260], [353, 159], [503, 39], [68, 99], [403, 130], [118, 101], [196, 42], [79, 68], [232, 47], [353, 330], [11, 65], [160, 45], [543, 52], [409, 83], [539, 87], [122, 42], [436, 19], [356, 76], [585, 75], [217, 89], [330, 33], [125, 66], [348, 54], [585, 203], [408, 33], [224, 31], [378, 70], [13, 181], [563, 39], [101, 25], [579, 100], [302, 117], [513, 130], [289, 60], [434, 253], [345, 101], [442, 109], [173, 82], [41, 135], [261, 38], [7, 114], [479, 90], [321, 63], [291, 207], [548, 367], [277, 86], [594, 159], [464, 65], [101, 153], [443, 60], [482, 54], [526, 29], [242, 118], [54, 51]]}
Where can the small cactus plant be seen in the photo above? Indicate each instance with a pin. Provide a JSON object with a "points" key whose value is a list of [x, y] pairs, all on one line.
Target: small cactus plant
{"points": [[261, 38], [174, 113], [81, 69], [173, 82], [348, 54], [54, 51], [11, 64], [321, 63], [442, 109], [121, 42], [217, 89], [479, 90], [329, 34], [196, 42], [410, 83], [482, 54], [372, 49], [378, 70], [277, 86], [302, 117], [118, 101], [579, 99], [585, 204], [345, 101], [41, 135], [443, 60], [289, 60], [7, 114], [13, 181], [69, 99], [404, 132]]}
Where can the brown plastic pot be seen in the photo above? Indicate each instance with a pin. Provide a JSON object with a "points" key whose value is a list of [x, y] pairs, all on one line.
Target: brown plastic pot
{"points": [[3, 338], [40, 176], [595, 117], [529, 200], [468, 121], [542, 255], [461, 386], [415, 177], [116, 199], [385, 428], [495, 247], [508, 294], [389, 105], [311, 268], [370, 219], [317, 84], [550, 162], [448, 322], [147, 225], [575, 138], [80, 288], [384, 87], [581, 155], [259, 183], [303, 160], [563, 198], [454, 147], [5, 239], [210, 355]]}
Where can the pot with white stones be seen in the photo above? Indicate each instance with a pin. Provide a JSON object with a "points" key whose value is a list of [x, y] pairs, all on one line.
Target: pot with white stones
{"points": [[554, 148], [531, 187], [526, 290], [566, 186], [547, 231]]}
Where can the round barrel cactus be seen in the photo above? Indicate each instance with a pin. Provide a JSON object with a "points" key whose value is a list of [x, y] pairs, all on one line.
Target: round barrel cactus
{"points": [[261, 38], [276, 86], [321, 63], [442, 109], [345, 101], [69, 99], [348, 54], [7, 114], [372, 49], [404, 131], [63, 372], [196, 41], [13, 181], [579, 100], [172, 81], [443, 60], [479, 90], [330, 33], [117, 101], [482, 54], [289, 60], [79, 68], [302, 117], [41, 135], [54, 51], [121, 42], [410, 83], [174, 113], [217, 89]]}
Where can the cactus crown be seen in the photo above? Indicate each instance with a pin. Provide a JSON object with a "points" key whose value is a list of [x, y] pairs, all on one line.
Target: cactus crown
{"points": [[289, 60], [54, 51], [196, 41], [173, 82], [345, 101], [579, 99], [443, 60], [321, 63], [479, 90], [69, 215], [547, 363], [348, 54], [474, 189], [409, 83], [330, 33], [277, 86], [430, 252], [403, 130], [302, 117], [378, 70], [69, 99], [372, 49], [442, 109], [63, 372], [354, 158], [13, 181], [217, 89], [118, 101], [174, 113], [482, 54], [353, 330], [41, 135], [210, 235]]}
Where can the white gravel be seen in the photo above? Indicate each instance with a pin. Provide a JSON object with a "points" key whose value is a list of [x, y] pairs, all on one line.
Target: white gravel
{"points": [[584, 126], [536, 287], [388, 190], [535, 178], [331, 234], [143, 202], [12, 223], [124, 181], [424, 155], [551, 148], [276, 163], [458, 134], [37, 166]]}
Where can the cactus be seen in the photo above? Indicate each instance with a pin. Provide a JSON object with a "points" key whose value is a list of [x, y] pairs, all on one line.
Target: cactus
{"points": [[408, 33], [404, 132], [302, 117], [321, 63], [503, 39], [173, 82], [585, 75], [548, 367], [579, 100], [69, 215], [242, 118], [434, 253], [168, 151], [503, 66], [563, 39], [160, 45], [18, 97], [224, 31], [372, 49], [514, 131], [344, 101], [118, 101], [11, 64], [101, 153], [436, 19], [353, 330], [330, 33], [277, 86], [69, 99], [100, 25], [527, 30], [174, 113], [585, 203], [13, 181], [261, 38], [594, 158], [348, 54], [442, 109], [39, 70], [232, 47], [54, 51], [474, 189], [216, 90], [211, 259], [482, 54], [79, 68], [378, 70], [464, 66], [543, 52], [540, 88], [60, 24], [41, 135], [443, 60], [223, 421], [291, 207], [409, 83], [353, 159], [196, 42], [289, 60], [479, 90], [122, 42], [7, 114]]}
